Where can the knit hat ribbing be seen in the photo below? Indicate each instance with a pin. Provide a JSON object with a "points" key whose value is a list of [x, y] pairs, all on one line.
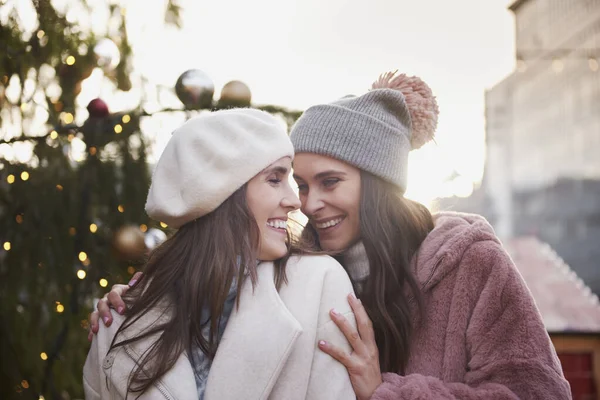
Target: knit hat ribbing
{"points": [[373, 132], [211, 156]]}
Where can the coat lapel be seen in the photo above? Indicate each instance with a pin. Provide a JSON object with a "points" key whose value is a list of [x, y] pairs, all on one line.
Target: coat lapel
{"points": [[256, 344]]}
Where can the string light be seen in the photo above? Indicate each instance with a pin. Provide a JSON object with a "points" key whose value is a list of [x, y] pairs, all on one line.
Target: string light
{"points": [[143, 227], [25, 384], [19, 219], [41, 397], [81, 274], [130, 270], [82, 256], [103, 282], [59, 188], [121, 208], [24, 175], [93, 151], [126, 118], [72, 231], [59, 307], [40, 34], [87, 262], [118, 129], [10, 179], [7, 246], [70, 60], [44, 356], [67, 118], [164, 225], [53, 135], [93, 228]]}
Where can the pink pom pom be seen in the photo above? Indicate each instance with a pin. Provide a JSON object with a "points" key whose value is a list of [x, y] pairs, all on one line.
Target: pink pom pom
{"points": [[420, 101]]}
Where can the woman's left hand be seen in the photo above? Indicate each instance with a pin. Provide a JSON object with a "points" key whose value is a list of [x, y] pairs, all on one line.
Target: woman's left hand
{"points": [[363, 363]]}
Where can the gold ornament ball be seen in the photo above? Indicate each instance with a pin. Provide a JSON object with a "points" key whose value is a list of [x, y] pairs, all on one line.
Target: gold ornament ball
{"points": [[129, 243], [235, 94]]}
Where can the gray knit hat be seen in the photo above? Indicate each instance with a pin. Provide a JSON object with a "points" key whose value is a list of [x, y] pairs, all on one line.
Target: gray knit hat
{"points": [[373, 132]]}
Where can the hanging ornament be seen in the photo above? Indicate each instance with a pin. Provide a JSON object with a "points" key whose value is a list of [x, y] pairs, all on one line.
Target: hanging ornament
{"points": [[195, 89], [107, 54], [154, 237], [129, 243], [235, 94], [98, 108]]}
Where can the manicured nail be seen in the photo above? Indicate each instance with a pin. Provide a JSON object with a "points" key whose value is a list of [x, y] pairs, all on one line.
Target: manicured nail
{"points": [[120, 310], [106, 319], [322, 343], [334, 311], [132, 282]]}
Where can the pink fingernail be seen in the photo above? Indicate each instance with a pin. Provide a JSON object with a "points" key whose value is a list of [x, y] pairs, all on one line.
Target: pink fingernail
{"points": [[353, 296], [322, 343], [132, 282], [334, 311], [105, 319], [120, 310]]}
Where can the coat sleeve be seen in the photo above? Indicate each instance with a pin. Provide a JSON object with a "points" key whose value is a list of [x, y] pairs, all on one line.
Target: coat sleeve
{"points": [[91, 373], [329, 379], [510, 355]]}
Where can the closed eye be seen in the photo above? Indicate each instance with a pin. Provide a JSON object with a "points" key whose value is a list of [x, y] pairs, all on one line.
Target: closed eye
{"points": [[330, 182]]}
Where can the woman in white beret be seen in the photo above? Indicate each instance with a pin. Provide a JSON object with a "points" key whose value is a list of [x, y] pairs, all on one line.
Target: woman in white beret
{"points": [[221, 311]]}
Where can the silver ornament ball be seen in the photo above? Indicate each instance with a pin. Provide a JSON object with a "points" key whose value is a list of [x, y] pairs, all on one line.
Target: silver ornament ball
{"points": [[154, 237], [195, 89]]}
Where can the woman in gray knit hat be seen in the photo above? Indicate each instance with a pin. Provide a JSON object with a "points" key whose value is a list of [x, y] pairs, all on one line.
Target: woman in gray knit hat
{"points": [[442, 312]]}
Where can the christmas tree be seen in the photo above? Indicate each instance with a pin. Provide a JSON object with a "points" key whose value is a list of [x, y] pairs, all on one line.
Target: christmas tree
{"points": [[72, 195]]}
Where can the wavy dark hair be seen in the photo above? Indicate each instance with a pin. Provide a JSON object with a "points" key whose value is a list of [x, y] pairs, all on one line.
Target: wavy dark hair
{"points": [[191, 271], [392, 229]]}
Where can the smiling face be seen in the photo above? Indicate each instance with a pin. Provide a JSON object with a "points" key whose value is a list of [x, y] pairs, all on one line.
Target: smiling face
{"points": [[270, 198], [330, 194]]}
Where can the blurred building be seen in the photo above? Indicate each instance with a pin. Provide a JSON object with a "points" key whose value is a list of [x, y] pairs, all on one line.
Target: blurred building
{"points": [[569, 309], [542, 172]]}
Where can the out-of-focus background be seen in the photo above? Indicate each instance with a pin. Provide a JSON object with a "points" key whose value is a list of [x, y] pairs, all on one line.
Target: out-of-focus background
{"points": [[90, 91]]}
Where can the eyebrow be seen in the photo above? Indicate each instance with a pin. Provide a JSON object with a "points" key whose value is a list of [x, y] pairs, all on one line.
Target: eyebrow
{"points": [[323, 174], [276, 169]]}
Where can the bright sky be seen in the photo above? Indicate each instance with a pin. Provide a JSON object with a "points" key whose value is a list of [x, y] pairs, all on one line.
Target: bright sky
{"points": [[296, 53]]}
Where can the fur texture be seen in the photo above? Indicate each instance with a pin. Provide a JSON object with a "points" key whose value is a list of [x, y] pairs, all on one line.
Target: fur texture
{"points": [[420, 101], [482, 337]]}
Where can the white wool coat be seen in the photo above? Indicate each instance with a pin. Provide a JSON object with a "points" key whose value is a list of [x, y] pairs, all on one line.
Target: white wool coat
{"points": [[268, 350]]}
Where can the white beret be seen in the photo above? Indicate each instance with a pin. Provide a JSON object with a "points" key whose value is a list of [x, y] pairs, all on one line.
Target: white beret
{"points": [[211, 156]]}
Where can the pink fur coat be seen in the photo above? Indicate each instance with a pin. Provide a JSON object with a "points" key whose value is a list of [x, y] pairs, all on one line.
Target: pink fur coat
{"points": [[482, 337]]}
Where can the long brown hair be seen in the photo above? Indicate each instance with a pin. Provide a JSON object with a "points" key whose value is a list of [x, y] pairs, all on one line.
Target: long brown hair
{"points": [[190, 272], [392, 230]]}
